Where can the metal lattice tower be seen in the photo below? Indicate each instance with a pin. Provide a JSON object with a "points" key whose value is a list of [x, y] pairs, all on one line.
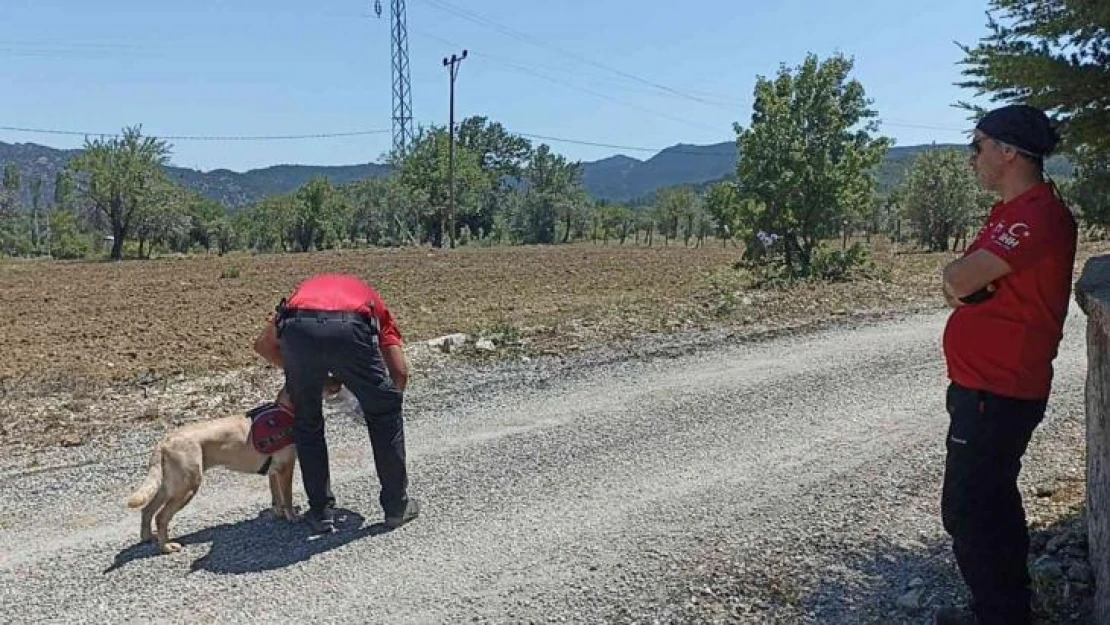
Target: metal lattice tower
{"points": [[402, 92]]}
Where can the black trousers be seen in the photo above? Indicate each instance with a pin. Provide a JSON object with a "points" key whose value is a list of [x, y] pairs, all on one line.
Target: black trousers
{"points": [[345, 346], [981, 504]]}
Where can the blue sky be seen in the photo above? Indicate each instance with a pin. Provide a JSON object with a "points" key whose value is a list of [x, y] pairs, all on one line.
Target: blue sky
{"points": [[571, 69]]}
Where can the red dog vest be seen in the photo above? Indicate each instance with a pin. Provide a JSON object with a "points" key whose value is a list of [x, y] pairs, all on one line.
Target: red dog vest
{"points": [[271, 428]]}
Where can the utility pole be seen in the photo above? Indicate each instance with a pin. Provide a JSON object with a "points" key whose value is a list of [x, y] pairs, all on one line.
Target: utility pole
{"points": [[453, 65]]}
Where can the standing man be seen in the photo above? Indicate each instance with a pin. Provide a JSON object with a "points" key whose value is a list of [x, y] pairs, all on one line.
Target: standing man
{"points": [[1010, 293], [337, 326]]}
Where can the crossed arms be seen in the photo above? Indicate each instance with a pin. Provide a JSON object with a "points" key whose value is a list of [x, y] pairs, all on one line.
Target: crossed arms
{"points": [[968, 275]]}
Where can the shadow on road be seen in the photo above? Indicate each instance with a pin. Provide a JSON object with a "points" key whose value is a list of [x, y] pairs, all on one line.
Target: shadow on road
{"points": [[259, 544], [910, 583]]}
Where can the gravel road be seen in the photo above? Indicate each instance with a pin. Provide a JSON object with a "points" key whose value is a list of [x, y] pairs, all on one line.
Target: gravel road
{"points": [[792, 480]]}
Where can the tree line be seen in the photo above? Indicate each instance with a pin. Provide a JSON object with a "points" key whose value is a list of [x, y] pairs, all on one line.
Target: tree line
{"points": [[806, 174]]}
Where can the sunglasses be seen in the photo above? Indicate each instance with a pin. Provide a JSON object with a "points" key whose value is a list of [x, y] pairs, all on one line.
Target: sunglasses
{"points": [[976, 146]]}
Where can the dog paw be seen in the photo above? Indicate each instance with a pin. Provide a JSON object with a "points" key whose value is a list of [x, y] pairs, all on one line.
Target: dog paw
{"points": [[171, 547], [288, 513]]}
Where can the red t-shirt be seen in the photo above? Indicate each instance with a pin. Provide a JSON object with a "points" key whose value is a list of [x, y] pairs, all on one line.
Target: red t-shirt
{"points": [[337, 293], [1006, 344]]}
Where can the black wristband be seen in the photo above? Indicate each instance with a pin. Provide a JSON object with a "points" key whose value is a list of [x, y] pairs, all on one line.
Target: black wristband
{"points": [[977, 297]]}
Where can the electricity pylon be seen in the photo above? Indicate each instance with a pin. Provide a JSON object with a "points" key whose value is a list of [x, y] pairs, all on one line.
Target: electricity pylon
{"points": [[402, 92]]}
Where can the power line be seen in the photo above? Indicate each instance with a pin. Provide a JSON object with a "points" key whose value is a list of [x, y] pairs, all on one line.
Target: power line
{"points": [[531, 72], [542, 137], [629, 148], [582, 77], [903, 124], [84, 133], [69, 44], [80, 133], [478, 19], [443, 5], [534, 73]]}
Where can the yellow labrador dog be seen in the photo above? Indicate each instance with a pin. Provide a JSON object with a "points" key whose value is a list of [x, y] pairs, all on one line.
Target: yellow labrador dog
{"points": [[180, 458]]}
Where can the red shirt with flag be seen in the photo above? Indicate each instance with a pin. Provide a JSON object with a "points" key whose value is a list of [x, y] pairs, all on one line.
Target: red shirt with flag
{"points": [[345, 293], [1006, 344]]}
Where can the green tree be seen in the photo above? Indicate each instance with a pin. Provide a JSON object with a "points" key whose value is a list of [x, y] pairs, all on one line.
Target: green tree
{"points": [[311, 214], [554, 195], [1053, 54], [36, 208], [165, 222], [808, 155], [269, 224], [358, 215], [1090, 191], [502, 157], [499, 152], [425, 171], [674, 206], [12, 238], [68, 237], [402, 209], [224, 234], [205, 215], [13, 180], [939, 196], [63, 189], [615, 219], [722, 202], [381, 211], [121, 178]]}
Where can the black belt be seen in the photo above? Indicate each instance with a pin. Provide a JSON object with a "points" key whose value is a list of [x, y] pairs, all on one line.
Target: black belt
{"points": [[321, 315], [326, 314]]}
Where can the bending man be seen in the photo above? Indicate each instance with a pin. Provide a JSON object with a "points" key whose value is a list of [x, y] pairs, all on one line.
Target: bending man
{"points": [[338, 326]]}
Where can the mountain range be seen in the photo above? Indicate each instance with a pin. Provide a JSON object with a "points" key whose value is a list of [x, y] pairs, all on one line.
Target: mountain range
{"points": [[617, 178]]}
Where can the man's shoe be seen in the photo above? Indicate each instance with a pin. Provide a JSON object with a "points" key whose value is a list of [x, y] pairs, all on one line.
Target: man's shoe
{"points": [[412, 510], [321, 521], [955, 616]]}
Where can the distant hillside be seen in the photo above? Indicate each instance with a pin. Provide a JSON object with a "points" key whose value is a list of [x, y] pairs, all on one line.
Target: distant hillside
{"points": [[621, 178], [233, 189], [239, 189], [699, 166], [617, 178]]}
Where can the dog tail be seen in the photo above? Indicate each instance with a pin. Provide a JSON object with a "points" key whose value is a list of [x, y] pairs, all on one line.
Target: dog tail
{"points": [[152, 482]]}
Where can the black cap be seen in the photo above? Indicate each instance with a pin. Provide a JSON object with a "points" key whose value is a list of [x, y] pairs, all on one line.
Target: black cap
{"points": [[1025, 127]]}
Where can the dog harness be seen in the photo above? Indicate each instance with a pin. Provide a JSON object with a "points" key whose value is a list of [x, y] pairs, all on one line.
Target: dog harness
{"points": [[271, 430]]}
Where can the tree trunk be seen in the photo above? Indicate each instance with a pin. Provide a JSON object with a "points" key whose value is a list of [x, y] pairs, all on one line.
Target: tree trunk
{"points": [[117, 244]]}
